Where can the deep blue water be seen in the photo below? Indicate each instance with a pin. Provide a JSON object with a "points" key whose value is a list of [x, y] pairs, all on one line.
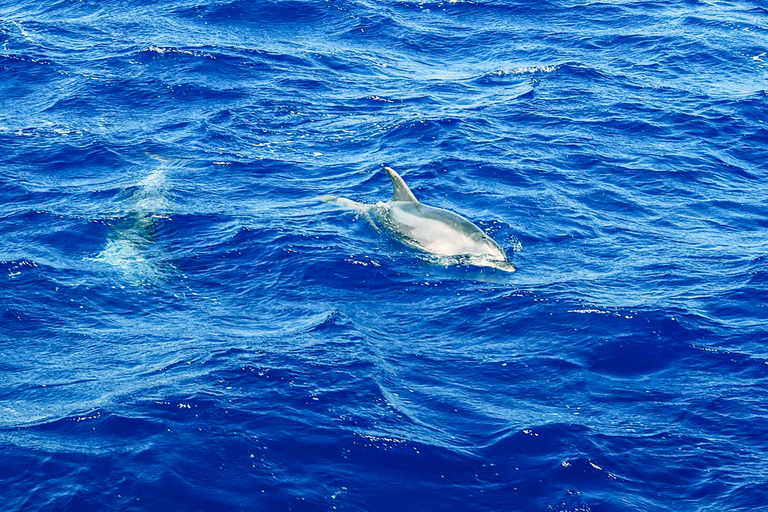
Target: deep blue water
{"points": [[185, 326]]}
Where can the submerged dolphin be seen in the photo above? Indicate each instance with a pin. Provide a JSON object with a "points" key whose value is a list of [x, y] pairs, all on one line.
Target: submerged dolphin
{"points": [[433, 230], [132, 246]]}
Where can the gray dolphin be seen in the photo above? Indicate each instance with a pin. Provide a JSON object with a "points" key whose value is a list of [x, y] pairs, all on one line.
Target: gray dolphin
{"points": [[432, 230]]}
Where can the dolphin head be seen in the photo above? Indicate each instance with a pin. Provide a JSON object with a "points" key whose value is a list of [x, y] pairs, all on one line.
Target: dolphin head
{"points": [[489, 253], [488, 246]]}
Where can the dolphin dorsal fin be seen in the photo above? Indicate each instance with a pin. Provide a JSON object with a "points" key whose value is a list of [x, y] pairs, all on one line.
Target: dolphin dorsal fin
{"points": [[401, 190]]}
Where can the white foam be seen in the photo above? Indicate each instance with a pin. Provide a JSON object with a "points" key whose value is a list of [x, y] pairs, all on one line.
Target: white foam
{"points": [[529, 70], [195, 53]]}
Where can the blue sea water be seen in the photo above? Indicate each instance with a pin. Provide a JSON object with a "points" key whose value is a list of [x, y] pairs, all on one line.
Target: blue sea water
{"points": [[185, 326]]}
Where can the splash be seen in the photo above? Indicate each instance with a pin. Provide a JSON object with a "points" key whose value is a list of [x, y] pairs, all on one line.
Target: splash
{"points": [[526, 70]]}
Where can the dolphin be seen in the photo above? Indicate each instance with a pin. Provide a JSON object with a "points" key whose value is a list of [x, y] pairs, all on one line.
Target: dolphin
{"points": [[436, 231], [132, 246]]}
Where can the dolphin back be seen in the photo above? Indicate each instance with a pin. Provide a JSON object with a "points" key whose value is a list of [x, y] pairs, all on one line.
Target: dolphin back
{"points": [[401, 190]]}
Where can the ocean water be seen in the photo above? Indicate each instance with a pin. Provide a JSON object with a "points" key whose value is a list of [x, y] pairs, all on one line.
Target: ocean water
{"points": [[185, 326]]}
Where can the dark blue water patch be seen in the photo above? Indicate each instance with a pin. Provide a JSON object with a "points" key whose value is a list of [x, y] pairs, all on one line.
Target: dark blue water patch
{"points": [[56, 232], [69, 155], [756, 9], [267, 12], [306, 86], [749, 149], [51, 287], [492, 11], [219, 69], [138, 94], [758, 273], [72, 473], [422, 131], [373, 24], [273, 61], [23, 70], [27, 316], [347, 65]]}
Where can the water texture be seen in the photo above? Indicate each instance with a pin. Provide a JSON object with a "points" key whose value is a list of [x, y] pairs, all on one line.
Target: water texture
{"points": [[185, 326]]}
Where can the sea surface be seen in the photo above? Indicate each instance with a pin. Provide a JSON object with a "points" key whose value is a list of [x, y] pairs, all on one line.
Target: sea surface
{"points": [[185, 326]]}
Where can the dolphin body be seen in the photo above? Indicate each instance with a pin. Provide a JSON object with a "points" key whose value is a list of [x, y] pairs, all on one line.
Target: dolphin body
{"points": [[132, 246], [433, 230]]}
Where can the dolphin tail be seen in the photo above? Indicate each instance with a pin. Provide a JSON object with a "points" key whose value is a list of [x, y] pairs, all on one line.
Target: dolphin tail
{"points": [[361, 209], [401, 190], [346, 203]]}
